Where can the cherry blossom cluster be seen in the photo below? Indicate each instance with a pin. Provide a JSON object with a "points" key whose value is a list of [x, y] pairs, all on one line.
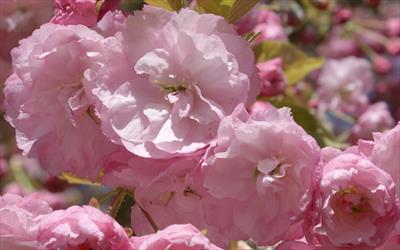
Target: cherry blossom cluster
{"points": [[163, 104]]}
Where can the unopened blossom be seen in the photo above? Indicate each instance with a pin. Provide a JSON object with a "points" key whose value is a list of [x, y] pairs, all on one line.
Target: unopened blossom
{"points": [[19, 219], [185, 237], [272, 78], [344, 85], [164, 98], [355, 204], [81, 228], [75, 12], [266, 164], [376, 118], [46, 101], [393, 26]]}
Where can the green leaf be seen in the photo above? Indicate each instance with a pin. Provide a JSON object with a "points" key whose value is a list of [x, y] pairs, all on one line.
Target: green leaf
{"points": [[296, 64], [240, 8], [231, 10], [171, 5]]}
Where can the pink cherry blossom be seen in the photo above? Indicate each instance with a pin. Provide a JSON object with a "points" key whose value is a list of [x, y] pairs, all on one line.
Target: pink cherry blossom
{"points": [[75, 12], [385, 153], [164, 98], [124, 169], [344, 84], [256, 163], [265, 22], [355, 205], [66, 135], [259, 106], [19, 221], [178, 197], [81, 228], [272, 78], [184, 237], [112, 23], [375, 119]]}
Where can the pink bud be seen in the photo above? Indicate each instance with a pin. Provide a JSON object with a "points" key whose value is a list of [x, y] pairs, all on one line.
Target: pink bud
{"points": [[393, 27], [342, 16], [393, 46], [382, 65]]}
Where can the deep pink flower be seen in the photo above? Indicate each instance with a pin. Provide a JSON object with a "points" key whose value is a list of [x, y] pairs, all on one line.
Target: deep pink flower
{"points": [[182, 237], [164, 98], [273, 81], [355, 205], [81, 228], [75, 12], [48, 105], [19, 219], [382, 65]]}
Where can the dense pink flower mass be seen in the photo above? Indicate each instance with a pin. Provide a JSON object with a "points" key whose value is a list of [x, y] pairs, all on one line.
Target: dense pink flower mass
{"points": [[344, 84], [183, 237], [164, 123], [356, 205], [47, 103], [75, 12], [81, 228], [19, 219], [246, 181], [164, 97]]}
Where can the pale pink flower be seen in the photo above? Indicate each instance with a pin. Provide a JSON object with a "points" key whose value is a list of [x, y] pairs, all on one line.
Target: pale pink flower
{"points": [[183, 237], [385, 153], [375, 119], [124, 169], [177, 196], [266, 164], [164, 98], [46, 101], [75, 12], [19, 221], [344, 85], [273, 81], [355, 204], [81, 228], [112, 23], [259, 106], [263, 21]]}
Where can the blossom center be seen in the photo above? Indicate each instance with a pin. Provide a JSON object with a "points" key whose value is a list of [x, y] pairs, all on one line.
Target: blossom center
{"points": [[353, 201]]}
